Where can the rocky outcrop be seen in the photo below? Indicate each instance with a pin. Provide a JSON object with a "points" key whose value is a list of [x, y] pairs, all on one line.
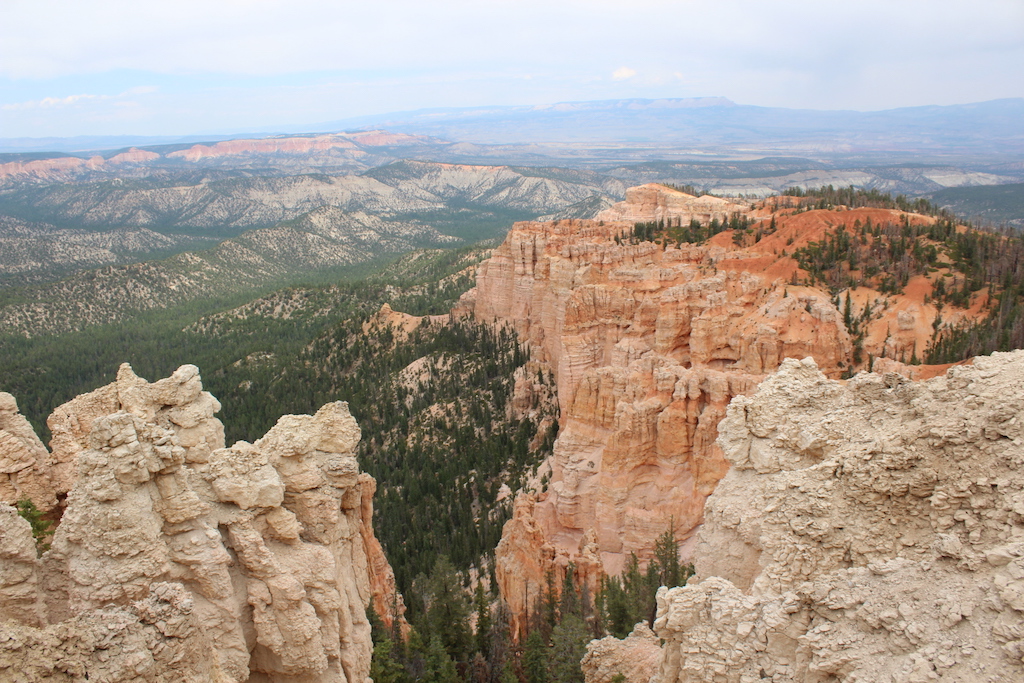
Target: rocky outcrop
{"points": [[866, 532], [635, 658], [179, 559], [153, 640], [277, 145], [56, 168], [176, 403], [655, 202], [24, 471], [133, 156], [351, 145], [648, 344]]}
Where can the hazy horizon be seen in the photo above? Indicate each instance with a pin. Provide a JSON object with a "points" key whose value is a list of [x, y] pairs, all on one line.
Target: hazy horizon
{"points": [[191, 68]]}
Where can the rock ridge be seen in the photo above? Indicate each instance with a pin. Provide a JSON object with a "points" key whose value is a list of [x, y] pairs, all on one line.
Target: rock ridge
{"points": [[177, 558]]}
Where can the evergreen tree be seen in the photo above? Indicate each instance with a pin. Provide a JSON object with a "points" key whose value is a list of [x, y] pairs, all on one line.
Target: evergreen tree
{"points": [[568, 646], [666, 557], [384, 666], [569, 603], [446, 614], [500, 655], [483, 620], [535, 658], [438, 667]]}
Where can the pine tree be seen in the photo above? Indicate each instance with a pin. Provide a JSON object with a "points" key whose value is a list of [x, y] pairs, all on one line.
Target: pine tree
{"points": [[446, 609], [569, 603], [384, 666], [568, 646], [535, 658], [438, 667], [483, 620]]}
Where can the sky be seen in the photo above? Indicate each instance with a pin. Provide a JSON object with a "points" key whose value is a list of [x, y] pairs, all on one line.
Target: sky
{"points": [[189, 67]]}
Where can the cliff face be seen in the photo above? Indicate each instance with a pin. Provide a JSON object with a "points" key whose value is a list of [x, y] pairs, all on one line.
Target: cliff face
{"points": [[648, 346], [199, 562], [654, 202], [866, 532]]}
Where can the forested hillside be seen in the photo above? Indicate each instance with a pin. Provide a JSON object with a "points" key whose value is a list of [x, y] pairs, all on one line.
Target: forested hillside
{"points": [[441, 438], [966, 269], [973, 275]]}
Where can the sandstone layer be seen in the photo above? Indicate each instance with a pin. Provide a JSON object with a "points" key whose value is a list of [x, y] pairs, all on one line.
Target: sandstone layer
{"points": [[655, 202], [179, 559], [866, 532], [648, 344]]}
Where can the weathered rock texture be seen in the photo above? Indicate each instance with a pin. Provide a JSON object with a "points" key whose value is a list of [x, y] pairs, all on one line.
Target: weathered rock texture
{"points": [[179, 559], [648, 345], [24, 471], [866, 532], [653, 202], [636, 658]]}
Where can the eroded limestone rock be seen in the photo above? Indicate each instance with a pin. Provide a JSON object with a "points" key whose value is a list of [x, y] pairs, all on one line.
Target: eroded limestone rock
{"points": [[866, 532], [23, 459], [192, 561], [635, 658]]}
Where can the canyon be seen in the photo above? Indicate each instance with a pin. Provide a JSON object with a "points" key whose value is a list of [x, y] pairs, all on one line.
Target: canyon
{"points": [[179, 559], [648, 343], [705, 387]]}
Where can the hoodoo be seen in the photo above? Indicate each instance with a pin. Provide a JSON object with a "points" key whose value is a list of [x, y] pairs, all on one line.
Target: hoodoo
{"points": [[648, 344], [177, 559], [649, 338]]}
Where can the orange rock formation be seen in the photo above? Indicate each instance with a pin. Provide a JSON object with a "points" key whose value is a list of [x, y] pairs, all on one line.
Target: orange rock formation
{"points": [[648, 344]]}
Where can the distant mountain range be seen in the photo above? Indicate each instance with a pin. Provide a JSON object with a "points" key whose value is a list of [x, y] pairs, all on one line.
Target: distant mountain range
{"points": [[995, 127], [707, 124]]}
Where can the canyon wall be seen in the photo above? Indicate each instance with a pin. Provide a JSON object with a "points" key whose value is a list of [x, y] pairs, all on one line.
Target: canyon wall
{"points": [[177, 559], [648, 344], [872, 531]]}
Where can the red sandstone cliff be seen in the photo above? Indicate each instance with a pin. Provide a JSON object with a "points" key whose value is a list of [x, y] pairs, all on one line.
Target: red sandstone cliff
{"points": [[648, 344], [653, 202]]}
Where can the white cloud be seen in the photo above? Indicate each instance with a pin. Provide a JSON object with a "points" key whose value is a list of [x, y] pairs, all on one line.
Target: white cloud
{"points": [[83, 98], [52, 102], [623, 73]]}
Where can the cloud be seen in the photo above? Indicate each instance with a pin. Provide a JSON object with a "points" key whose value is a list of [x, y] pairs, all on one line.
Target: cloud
{"points": [[60, 102], [622, 73], [53, 102]]}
